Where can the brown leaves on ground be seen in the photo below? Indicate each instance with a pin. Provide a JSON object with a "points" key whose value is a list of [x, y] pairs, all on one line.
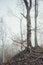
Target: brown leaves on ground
{"points": [[26, 58]]}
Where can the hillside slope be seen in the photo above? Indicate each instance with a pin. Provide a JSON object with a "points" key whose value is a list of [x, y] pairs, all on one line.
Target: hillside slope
{"points": [[27, 58]]}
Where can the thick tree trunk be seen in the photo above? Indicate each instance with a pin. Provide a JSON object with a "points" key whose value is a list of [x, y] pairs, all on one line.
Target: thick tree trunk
{"points": [[28, 31], [28, 8]]}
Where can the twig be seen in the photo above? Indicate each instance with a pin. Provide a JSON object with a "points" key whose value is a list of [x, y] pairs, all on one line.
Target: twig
{"points": [[23, 15]]}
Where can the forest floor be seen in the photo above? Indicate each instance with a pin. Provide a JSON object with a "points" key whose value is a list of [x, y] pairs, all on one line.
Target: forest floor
{"points": [[35, 57]]}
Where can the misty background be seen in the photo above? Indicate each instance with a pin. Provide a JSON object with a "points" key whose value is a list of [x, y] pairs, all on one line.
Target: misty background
{"points": [[10, 20]]}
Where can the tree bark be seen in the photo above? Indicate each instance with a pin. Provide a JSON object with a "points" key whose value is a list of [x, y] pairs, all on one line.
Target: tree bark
{"points": [[28, 8], [36, 14]]}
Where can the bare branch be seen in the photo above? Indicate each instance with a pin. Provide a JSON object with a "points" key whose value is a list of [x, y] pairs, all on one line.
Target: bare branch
{"points": [[26, 3], [37, 58], [23, 15]]}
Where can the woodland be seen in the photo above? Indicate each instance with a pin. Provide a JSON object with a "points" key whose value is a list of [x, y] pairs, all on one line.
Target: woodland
{"points": [[28, 55]]}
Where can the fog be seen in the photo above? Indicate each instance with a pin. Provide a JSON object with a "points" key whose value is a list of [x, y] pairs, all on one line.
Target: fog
{"points": [[10, 15]]}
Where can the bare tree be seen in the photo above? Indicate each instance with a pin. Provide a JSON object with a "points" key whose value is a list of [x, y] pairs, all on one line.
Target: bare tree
{"points": [[3, 35], [36, 14], [28, 8], [21, 33]]}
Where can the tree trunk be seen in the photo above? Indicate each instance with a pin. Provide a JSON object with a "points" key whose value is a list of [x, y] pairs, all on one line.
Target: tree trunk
{"points": [[28, 8], [36, 14]]}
